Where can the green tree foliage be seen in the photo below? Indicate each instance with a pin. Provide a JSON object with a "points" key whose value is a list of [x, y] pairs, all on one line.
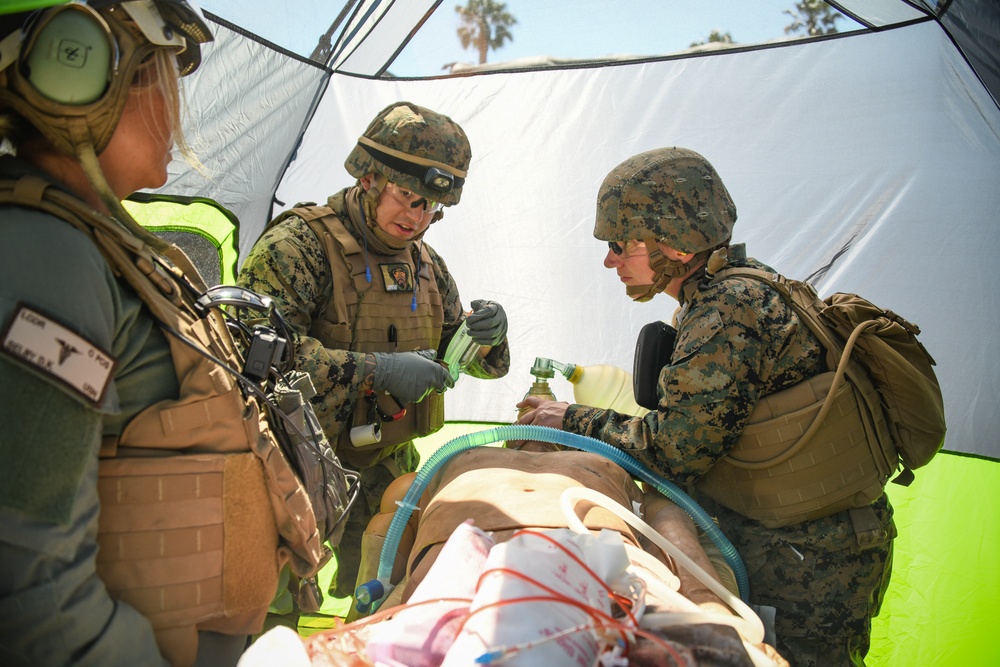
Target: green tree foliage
{"points": [[716, 36], [813, 18], [484, 26]]}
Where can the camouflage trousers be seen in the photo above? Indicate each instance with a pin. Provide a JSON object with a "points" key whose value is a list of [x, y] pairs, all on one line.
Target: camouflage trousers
{"points": [[824, 582], [374, 481]]}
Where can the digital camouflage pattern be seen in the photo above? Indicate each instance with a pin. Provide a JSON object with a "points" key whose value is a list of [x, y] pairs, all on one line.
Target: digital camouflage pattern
{"points": [[289, 265], [737, 340], [419, 133], [674, 193], [826, 589]]}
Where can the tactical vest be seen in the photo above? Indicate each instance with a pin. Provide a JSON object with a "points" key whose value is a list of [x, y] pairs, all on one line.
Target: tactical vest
{"points": [[199, 507], [365, 316]]}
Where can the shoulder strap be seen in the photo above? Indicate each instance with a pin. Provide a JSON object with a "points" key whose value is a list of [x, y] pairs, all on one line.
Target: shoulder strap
{"points": [[157, 277], [334, 238], [802, 297]]}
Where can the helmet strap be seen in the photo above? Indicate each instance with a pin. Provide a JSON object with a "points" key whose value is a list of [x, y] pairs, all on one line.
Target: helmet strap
{"points": [[664, 270], [381, 243], [369, 198]]}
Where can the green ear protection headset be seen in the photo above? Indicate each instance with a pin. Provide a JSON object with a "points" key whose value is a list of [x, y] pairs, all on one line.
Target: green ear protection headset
{"points": [[71, 57], [68, 69]]}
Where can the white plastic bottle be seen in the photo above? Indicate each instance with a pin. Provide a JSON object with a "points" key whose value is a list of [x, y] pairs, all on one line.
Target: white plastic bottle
{"points": [[602, 386]]}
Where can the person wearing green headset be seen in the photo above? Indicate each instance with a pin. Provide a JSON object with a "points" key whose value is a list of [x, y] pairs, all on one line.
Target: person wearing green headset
{"points": [[146, 505]]}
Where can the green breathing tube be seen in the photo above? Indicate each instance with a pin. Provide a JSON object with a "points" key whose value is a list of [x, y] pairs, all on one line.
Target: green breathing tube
{"points": [[371, 594]]}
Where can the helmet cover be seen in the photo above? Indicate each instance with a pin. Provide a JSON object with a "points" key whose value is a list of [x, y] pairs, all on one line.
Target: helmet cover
{"points": [[418, 149], [674, 194]]}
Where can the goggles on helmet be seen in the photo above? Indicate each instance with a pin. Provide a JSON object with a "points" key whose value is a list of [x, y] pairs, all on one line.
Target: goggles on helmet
{"points": [[172, 23], [433, 177]]}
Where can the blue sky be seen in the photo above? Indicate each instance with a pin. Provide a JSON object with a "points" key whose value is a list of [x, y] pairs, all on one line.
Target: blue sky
{"points": [[560, 28], [597, 28]]}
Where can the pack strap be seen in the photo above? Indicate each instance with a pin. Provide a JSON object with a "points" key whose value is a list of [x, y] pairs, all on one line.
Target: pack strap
{"points": [[778, 282]]}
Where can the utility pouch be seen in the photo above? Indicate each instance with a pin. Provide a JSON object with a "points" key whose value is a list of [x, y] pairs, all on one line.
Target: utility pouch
{"points": [[430, 414], [653, 350], [206, 556], [777, 476], [311, 455]]}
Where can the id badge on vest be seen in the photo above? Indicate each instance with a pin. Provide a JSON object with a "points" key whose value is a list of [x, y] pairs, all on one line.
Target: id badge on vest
{"points": [[397, 277]]}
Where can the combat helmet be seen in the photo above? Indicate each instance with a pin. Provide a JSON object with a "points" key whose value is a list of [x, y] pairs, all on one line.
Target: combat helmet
{"points": [[669, 195], [421, 150]]}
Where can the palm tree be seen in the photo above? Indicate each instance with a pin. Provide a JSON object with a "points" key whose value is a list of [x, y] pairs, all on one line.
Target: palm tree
{"points": [[484, 26]]}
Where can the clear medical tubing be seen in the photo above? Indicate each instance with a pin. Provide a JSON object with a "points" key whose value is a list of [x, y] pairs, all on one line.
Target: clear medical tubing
{"points": [[747, 622], [373, 592]]}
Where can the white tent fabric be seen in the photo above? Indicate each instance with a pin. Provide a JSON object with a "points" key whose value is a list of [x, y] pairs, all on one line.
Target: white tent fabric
{"points": [[869, 162], [248, 104]]}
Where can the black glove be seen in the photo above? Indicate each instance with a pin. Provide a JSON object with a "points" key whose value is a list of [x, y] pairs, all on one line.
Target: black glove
{"points": [[488, 323], [410, 376]]}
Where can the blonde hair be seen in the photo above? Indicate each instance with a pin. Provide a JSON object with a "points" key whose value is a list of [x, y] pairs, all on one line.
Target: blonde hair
{"points": [[160, 71]]}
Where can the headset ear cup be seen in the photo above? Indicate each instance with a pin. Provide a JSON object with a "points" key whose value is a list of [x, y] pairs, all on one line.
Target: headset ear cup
{"points": [[69, 56]]}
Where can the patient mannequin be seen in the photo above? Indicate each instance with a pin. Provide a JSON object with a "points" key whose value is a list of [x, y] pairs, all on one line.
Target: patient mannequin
{"points": [[505, 490]]}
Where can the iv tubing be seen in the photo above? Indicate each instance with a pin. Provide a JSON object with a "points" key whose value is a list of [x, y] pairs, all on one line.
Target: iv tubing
{"points": [[550, 435]]}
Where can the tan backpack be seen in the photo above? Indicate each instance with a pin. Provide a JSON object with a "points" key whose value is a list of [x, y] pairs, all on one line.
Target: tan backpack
{"points": [[887, 357]]}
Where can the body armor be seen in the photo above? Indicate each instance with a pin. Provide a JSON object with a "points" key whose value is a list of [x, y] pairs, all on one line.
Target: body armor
{"points": [[200, 508], [360, 317]]}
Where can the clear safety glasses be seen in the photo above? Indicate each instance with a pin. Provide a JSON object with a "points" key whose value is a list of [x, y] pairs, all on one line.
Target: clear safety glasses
{"points": [[412, 199]]}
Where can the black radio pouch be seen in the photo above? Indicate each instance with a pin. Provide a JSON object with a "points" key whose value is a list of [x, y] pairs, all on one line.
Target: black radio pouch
{"points": [[652, 352]]}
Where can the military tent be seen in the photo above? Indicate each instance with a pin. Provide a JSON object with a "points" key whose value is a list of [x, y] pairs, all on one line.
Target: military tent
{"points": [[867, 161]]}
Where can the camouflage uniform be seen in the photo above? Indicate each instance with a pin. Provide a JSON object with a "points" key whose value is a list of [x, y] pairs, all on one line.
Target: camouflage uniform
{"points": [[289, 264], [737, 340]]}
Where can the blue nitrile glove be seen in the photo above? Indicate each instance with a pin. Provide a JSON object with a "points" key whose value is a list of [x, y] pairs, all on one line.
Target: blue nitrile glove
{"points": [[409, 376], [488, 323]]}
